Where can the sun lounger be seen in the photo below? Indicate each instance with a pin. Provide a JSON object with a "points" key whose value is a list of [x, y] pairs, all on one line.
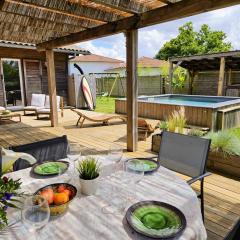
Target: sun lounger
{"points": [[104, 119], [144, 129]]}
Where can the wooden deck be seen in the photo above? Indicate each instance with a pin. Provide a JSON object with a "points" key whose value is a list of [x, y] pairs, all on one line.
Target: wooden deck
{"points": [[222, 194]]}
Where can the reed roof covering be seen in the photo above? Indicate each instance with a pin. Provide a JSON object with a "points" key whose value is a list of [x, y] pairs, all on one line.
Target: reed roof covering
{"points": [[39, 21], [36, 21]]}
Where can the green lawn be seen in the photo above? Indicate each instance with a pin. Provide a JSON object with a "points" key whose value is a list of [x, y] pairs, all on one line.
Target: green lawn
{"points": [[105, 105]]}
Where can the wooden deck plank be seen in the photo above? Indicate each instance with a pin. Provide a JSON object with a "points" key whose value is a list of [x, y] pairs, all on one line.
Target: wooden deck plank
{"points": [[222, 194]]}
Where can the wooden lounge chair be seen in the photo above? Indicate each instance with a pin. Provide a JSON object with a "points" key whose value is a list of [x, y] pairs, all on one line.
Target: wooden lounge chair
{"points": [[104, 119], [144, 129]]}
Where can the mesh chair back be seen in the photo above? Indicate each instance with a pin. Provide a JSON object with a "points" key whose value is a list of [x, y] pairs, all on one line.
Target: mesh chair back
{"points": [[184, 154], [47, 150]]}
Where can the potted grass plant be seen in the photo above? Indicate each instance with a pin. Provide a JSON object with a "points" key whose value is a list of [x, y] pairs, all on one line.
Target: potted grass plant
{"points": [[225, 152], [88, 170]]}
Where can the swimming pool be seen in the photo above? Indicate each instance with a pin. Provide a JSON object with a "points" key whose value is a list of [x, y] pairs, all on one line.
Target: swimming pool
{"points": [[206, 111], [191, 100]]}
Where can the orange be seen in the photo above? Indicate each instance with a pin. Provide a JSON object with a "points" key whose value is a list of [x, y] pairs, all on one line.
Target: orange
{"points": [[61, 188], [60, 198], [48, 195], [68, 192]]}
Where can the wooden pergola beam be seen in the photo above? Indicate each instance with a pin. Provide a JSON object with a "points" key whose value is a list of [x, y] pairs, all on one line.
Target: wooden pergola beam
{"points": [[171, 76], [52, 87], [125, 6], [162, 14], [221, 76], [132, 89], [36, 30], [71, 9], [24, 21], [209, 56]]}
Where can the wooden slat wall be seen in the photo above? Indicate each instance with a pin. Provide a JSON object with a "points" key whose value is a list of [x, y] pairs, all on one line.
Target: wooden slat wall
{"points": [[195, 116], [33, 82], [61, 79], [205, 83]]}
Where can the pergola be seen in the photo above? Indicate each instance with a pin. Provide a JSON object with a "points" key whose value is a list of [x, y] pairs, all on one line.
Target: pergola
{"points": [[54, 23], [224, 62]]}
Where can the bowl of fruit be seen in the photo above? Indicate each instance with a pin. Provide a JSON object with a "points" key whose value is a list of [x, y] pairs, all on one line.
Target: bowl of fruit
{"points": [[59, 196]]}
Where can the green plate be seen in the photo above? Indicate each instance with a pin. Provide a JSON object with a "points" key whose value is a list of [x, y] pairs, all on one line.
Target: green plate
{"points": [[156, 219], [149, 165], [50, 168]]}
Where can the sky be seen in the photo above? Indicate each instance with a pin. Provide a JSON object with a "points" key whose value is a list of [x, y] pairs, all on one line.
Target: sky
{"points": [[151, 39]]}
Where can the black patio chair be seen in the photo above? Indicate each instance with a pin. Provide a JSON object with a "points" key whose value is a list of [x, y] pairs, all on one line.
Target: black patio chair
{"points": [[187, 155], [234, 234], [51, 149]]}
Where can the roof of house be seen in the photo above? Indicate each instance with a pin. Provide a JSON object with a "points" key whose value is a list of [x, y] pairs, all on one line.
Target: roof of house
{"points": [[70, 49], [95, 58], [145, 62]]}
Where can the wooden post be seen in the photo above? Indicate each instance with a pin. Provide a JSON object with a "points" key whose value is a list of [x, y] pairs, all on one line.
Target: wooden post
{"points": [[191, 75], [221, 77], [52, 87], [170, 76], [132, 89]]}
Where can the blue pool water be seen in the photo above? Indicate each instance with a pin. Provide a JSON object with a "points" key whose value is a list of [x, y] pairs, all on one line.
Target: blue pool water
{"points": [[187, 100]]}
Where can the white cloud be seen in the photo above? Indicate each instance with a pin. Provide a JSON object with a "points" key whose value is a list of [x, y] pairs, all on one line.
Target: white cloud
{"points": [[113, 49], [150, 41]]}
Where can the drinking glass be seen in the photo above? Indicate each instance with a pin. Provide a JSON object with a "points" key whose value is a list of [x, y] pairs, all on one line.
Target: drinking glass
{"points": [[134, 172], [35, 213], [115, 153], [73, 151], [73, 154]]}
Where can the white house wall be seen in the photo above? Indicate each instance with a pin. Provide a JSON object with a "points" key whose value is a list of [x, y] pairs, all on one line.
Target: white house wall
{"points": [[91, 67]]}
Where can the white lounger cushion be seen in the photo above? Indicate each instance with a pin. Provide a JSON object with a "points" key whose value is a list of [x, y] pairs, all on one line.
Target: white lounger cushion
{"points": [[38, 100], [45, 110], [2, 108], [47, 102], [32, 108]]}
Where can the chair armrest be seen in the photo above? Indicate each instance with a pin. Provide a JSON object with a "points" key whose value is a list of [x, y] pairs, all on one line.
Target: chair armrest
{"points": [[193, 180]]}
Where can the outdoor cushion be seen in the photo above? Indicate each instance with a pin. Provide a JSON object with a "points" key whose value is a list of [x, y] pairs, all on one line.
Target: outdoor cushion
{"points": [[45, 110], [33, 108], [15, 108], [38, 100], [2, 108], [47, 102], [9, 157]]}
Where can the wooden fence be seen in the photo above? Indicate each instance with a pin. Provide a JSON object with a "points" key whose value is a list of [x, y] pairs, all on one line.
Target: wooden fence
{"points": [[148, 85], [205, 83]]}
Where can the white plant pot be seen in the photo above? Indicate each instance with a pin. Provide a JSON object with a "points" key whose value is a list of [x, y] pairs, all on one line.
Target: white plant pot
{"points": [[89, 187]]}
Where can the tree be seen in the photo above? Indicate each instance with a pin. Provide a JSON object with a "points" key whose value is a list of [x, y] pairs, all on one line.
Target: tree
{"points": [[189, 42]]}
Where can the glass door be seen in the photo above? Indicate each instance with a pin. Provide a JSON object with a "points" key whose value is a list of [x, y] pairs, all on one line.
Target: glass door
{"points": [[12, 79]]}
